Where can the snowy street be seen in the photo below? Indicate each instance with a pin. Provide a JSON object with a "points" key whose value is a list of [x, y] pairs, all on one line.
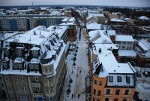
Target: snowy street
{"points": [[74, 87]]}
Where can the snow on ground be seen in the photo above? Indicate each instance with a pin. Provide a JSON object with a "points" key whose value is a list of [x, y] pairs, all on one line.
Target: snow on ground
{"points": [[77, 73], [143, 84]]}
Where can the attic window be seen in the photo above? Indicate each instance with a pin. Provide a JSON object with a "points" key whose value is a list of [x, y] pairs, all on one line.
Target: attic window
{"points": [[127, 79], [119, 78], [110, 78]]}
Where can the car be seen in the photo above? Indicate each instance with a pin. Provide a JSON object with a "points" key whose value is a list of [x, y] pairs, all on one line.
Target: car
{"points": [[145, 73]]}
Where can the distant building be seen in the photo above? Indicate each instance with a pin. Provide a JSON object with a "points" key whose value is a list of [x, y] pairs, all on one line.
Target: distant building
{"points": [[70, 22], [27, 22], [45, 21], [143, 50], [96, 17], [14, 23], [94, 26], [33, 66]]}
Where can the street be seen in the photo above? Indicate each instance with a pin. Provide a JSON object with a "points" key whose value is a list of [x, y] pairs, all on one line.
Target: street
{"points": [[74, 86]]}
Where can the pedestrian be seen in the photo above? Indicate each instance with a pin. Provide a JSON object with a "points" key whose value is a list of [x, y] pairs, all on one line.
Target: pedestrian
{"points": [[78, 95], [72, 95], [80, 71], [77, 74]]}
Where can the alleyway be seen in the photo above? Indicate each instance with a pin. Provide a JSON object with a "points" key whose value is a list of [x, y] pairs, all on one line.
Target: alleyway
{"points": [[74, 87]]}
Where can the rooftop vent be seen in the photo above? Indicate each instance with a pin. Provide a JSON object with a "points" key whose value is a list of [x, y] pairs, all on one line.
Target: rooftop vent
{"points": [[99, 50]]}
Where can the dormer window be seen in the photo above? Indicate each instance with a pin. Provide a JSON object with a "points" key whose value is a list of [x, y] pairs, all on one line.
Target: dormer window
{"points": [[19, 51], [18, 63], [5, 64], [110, 78], [18, 66], [35, 52], [34, 64], [127, 79], [119, 79]]}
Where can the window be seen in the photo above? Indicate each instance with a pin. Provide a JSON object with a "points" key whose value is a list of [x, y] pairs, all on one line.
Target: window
{"points": [[46, 70], [36, 78], [108, 91], [127, 79], [106, 99], [124, 99], [126, 92], [117, 92], [123, 47], [100, 82], [110, 78], [119, 79], [95, 81], [99, 93], [115, 99], [94, 92]]}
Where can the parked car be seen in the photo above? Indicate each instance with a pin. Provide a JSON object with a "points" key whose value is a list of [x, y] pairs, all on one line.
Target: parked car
{"points": [[145, 73]]}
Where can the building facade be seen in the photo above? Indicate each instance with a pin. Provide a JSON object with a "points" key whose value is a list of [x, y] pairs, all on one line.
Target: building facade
{"points": [[111, 81], [27, 22], [14, 23], [33, 66]]}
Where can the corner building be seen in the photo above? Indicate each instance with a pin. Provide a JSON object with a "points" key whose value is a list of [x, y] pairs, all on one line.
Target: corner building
{"points": [[33, 66], [111, 81]]}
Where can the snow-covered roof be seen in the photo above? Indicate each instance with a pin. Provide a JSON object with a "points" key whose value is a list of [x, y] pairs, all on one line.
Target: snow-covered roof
{"points": [[93, 26], [58, 29], [109, 62], [144, 18], [68, 19], [117, 20], [56, 13], [95, 14], [128, 53], [35, 36], [145, 45], [51, 49], [6, 35], [100, 36], [124, 38]]}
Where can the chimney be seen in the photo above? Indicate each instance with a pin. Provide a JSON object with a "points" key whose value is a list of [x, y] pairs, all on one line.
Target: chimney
{"points": [[113, 37]]}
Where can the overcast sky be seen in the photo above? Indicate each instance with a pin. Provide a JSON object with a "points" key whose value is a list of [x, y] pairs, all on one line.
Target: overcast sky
{"points": [[130, 3]]}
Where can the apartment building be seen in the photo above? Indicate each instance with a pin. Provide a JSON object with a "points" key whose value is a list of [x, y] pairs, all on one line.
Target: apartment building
{"points": [[111, 81], [124, 42], [14, 23], [33, 66], [27, 22], [45, 21], [70, 22]]}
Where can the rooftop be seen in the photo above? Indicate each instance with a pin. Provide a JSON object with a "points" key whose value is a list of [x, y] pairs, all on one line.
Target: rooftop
{"points": [[106, 56], [129, 53], [124, 38]]}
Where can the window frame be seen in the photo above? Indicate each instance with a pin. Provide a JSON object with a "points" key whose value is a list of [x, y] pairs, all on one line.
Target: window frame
{"points": [[119, 79], [110, 78]]}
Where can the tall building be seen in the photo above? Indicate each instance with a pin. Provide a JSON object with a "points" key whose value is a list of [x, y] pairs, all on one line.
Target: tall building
{"points": [[26, 22], [14, 23], [111, 81], [33, 66]]}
